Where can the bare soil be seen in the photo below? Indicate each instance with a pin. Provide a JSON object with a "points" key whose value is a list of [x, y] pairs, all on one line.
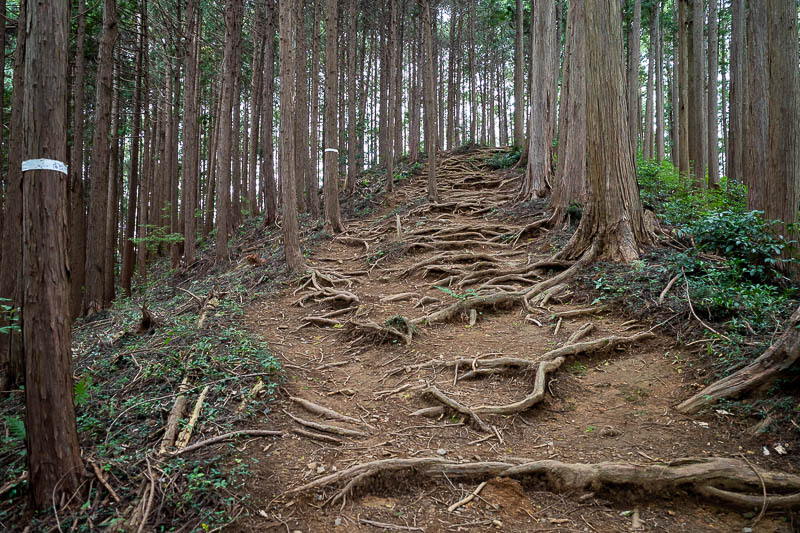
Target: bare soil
{"points": [[611, 405]]}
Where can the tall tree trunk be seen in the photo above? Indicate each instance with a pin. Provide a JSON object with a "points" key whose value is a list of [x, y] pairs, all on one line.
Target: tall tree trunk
{"points": [[683, 86], [570, 181], [333, 218], [473, 97], [698, 136], [211, 181], [538, 170], [112, 211], [711, 107], [291, 232], [660, 150], [397, 136], [54, 462], [144, 193], [414, 100], [315, 150], [93, 301], [736, 124], [268, 161], [389, 125], [12, 359], [175, 225], [634, 58], [257, 99], [77, 208], [308, 200], [233, 26], [352, 43], [430, 102], [783, 160], [128, 250], [519, 77], [649, 113], [612, 226], [190, 169], [756, 149]]}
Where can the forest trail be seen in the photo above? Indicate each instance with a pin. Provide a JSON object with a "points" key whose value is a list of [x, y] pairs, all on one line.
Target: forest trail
{"points": [[352, 338]]}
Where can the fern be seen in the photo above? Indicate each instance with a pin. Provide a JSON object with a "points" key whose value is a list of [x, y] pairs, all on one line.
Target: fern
{"points": [[81, 390], [16, 427]]}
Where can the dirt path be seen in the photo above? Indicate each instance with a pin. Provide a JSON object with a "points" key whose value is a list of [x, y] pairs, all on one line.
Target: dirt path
{"points": [[365, 359]]}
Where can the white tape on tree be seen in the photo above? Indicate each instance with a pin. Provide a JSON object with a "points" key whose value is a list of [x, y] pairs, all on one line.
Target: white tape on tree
{"points": [[334, 150], [44, 164]]}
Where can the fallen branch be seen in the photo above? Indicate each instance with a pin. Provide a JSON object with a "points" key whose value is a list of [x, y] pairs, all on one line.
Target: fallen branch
{"points": [[571, 313], [468, 499], [228, 436], [323, 411], [186, 434]]}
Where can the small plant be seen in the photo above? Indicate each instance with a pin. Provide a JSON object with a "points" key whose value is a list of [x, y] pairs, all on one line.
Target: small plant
{"points": [[9, 317], [504, 159], [469, 293]]}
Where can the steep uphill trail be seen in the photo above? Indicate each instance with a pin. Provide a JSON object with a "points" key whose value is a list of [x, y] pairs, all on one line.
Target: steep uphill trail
{"points": [[426, 392]]}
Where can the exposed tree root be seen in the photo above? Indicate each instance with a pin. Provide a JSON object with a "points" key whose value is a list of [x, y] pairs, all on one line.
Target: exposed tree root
{"points": [[440, 397], [777, 359], [726, 480], [396, 328], [326, 428], [572, 313]]}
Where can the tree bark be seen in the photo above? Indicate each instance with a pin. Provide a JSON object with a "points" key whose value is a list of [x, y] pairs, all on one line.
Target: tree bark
{"points": [[291, 232], [190, 169], [112, 211], [612, 226], [430, 102], [783, 159], [268, 161], [54, 463], [660, 149], [144, 193], [756, 149], [683, 89], [233, 27], [12, 358], [538, 171], [128, 247], [711, 107], [519, 77], [333, 218], [77, 208], [352, 106], [698, 137], [738, 84], [570, 181], [649, 113], [634, 59], [98, 202], [308, 200]]}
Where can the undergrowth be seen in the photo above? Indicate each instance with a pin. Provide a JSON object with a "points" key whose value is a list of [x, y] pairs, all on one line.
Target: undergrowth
{"points": [[730, 262]]}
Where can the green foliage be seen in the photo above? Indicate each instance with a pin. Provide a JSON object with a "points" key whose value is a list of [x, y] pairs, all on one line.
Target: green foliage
{"points": [[16, 427], [469, 293], [81, 390], [9, 317], [504, 159], [158, 236], [672, 196], [745, 238]]}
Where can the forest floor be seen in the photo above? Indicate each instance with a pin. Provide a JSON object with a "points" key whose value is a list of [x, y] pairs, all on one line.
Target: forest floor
{"points": [[251, 400], [368, 359]]}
